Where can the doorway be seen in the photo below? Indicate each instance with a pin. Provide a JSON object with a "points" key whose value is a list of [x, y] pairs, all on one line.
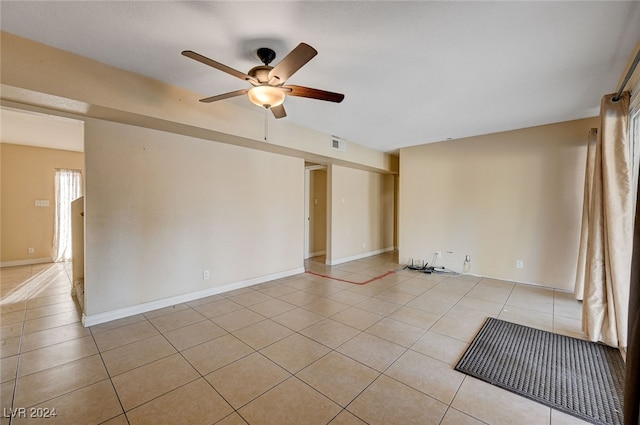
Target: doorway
{"points": [[315, 210]]}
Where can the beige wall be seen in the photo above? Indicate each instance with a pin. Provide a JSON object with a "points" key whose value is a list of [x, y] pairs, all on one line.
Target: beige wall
{"points": [[161, 208], [361, 205], [501, 197], [28, 174]]}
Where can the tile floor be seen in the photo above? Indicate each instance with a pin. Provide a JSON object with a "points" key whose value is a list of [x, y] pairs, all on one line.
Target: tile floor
{"points": [[301, 350]]}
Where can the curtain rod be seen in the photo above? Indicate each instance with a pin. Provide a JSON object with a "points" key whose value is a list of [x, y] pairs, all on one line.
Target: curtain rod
{"points": [[627, 77]]}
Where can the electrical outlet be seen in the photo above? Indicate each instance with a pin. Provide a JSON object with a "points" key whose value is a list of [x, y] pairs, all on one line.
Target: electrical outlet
{"points": [[205, 275], [519, 264], [467, 258], [31, 250]]}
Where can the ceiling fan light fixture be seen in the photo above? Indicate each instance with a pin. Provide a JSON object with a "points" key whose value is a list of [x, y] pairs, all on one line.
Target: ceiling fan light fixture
{"points": [[266, 96]]}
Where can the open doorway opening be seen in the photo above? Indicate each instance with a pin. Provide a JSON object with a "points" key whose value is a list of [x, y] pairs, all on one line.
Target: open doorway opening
{"points": [[315, 243], [68, 188]]}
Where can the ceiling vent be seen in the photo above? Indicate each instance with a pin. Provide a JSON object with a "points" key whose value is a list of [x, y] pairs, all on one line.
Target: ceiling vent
{"points": [[338, 144]]}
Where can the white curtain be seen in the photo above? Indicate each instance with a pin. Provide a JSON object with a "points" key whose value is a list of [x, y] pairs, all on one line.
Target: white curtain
{"points": [[604, 264], [68, 184]]}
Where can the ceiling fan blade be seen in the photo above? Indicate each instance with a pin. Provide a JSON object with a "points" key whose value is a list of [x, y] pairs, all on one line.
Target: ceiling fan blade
{"points": [[299, 56], [315, 93], [278, 111], [224, 96], [217, 65]]}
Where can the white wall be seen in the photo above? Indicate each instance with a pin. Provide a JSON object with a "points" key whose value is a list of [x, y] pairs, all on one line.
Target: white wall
{"points": [[501, 197], [161, 208], [362, 208]]}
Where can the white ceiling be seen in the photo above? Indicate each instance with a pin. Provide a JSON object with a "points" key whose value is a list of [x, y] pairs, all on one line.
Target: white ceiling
{"points": [[412, 72]]}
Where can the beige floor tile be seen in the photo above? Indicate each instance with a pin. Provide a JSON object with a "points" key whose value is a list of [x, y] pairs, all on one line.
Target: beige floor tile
{"points": [[232, 419], [532, 298], [415, 317], [525, 317], [50, 383], [290, 403], [297, 319], [14, 317], [489, 308], [395, 297], [566, 305], [118, 420], [103, 327], [11, 307], [330, 333], [195, 403], [479, 400], [372, 351], [216, 353], [492, 290], [8, 368], [244, 380], [455, 285], [440, 347], [357, 318], [300, 298], [54, 355], [426, 374], [387, 401], [346, 418], [53, 336], [48, 322], [136, 354], [73, 408], [6, 395], [217, 308], [377, 306], [561, 418], [124, 335], [49, 300], [325, 307], [397, 332], [338, 377], [179, 319], [192, 335], [457, 329], [50, 310], [348, 297], [205, 300], [455, 417], [295, 352], [147, 382], [10, 347], [426, 303], [11, 331], [166, 310], [261, 334], [272, 307], [237, 319], [251, 298], [569, 327]]}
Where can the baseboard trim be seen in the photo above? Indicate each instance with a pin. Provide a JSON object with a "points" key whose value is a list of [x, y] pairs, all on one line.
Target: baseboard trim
{"points": [[26, 262], [358, 257], [317, 253], [96, 319]]}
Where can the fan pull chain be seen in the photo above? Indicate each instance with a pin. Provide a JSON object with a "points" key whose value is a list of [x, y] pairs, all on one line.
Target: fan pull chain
{"points": [[266, 123]]}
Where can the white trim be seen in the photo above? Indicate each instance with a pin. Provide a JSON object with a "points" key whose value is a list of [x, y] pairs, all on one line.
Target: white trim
{"points": [[330, 262], [26, 262], [317, 253], [96, 319]]}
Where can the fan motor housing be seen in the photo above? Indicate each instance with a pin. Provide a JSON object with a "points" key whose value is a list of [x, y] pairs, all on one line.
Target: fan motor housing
{"points": [[260, 73]]}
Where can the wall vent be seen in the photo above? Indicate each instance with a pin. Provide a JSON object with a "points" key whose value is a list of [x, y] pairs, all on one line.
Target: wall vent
{"points": [[338, 144]]}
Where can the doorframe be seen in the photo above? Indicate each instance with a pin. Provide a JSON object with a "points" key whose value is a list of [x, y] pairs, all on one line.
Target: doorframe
{"points": [[307, 210]]}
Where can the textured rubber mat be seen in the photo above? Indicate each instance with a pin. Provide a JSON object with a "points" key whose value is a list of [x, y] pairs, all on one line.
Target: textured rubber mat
{"points": [[580, 378]]}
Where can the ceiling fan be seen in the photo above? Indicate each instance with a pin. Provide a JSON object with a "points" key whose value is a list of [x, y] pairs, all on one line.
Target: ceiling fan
{"points": [[268, 81]]}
